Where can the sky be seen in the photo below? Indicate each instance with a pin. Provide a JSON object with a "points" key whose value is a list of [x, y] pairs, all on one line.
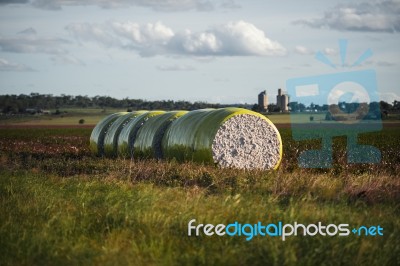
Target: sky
{"points": [[222, 51]]}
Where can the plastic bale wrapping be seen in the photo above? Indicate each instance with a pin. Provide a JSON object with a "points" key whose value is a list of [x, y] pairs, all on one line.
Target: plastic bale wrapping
{"points": [[149, 137], [99, 132], [128, 134], [111, 138], [228, 137]]}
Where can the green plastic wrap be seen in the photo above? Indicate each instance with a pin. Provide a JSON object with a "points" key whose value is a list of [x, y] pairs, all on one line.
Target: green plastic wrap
{"points": [[180, 138], [128, 134], [100, 131], [190, 137], [111, 138], [149, 137]]}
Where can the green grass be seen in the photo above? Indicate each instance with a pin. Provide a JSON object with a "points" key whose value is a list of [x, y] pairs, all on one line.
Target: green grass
{"points": [[64, 120], [93, 115], [68, 116], [279, 118], [81, 220], [61, 205]]}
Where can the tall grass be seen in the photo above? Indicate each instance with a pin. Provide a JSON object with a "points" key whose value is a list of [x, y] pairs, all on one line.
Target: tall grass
{"points": [[79, 220]]}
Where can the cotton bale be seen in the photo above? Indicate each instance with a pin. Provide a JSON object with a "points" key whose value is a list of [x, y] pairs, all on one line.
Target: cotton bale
{"points": [[128, 134], [149, 136], [228, 137], [111, 138], [99, 132]]}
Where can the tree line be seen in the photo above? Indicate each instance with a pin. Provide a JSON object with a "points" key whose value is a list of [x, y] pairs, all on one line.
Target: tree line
{"points": [[345, 107], [35, 102]]}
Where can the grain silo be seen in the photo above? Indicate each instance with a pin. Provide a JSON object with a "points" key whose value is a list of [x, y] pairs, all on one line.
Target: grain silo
{"points": [[282, 101], [263, 101]]}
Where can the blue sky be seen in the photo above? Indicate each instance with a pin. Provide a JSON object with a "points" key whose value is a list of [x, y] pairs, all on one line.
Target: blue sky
{"points": [[222, 51]]}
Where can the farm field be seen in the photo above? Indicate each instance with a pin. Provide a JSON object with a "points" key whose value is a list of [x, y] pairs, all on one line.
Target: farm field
{"points": [[71, 117], [67, 117], [62, 205]]}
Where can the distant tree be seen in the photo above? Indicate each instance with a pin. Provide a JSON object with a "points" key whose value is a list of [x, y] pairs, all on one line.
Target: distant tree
{"points": [[318, 108], [294, 106], [328, 116], [396, 105], [273, 108], [82, 121], [377, 115], [385, 106], [256, 108], [10, 109], [302, 107]]}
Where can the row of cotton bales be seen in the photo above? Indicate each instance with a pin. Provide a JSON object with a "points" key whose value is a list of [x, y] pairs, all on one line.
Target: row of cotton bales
{"points": [[228, 137]]}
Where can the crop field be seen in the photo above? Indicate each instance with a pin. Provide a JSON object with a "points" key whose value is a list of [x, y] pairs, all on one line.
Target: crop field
{"points": [[66, 117], [60, 205]]}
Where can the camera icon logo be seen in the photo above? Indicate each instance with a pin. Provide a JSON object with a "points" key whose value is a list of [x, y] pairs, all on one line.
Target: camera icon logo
{"points": [[352, 107]]}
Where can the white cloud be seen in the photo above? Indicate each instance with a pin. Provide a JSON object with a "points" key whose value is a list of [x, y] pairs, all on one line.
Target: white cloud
{"points": [[385, 63], [330, 51], [389, 97], [28, 41], [28, 31], [159, 5], [231, 39], [230, 4], [6, 65], [243, 38], [144, 34], [381, 16], [379, 63], [202, 43], [7, 2], [303, 50], [176, 68], [299, 49], [89, 32], [66, 60]]}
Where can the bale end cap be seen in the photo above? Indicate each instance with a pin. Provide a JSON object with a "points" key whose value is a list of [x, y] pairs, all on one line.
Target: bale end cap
{"points": [[247, 141]]}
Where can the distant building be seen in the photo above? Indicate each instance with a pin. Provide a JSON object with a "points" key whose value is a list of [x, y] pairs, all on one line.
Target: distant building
{"points": [[282, 101], [263, 101]]}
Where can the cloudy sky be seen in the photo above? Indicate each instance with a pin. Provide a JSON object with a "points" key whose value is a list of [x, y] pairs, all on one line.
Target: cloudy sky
{"points": [[223, 51]]}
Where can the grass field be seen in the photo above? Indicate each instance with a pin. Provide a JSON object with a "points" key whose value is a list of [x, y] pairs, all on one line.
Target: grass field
{"points": [[61, 205], [67, 116], [92, 116]]}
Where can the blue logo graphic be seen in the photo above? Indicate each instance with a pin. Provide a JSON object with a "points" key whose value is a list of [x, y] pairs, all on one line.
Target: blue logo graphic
{"points": [[352, 101], [279, 229]]}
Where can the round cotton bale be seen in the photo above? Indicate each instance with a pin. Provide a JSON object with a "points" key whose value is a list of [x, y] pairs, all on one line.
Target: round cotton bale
{"points": [[128, 134], [228, 137], [100, 131], [149, 136], [111, 138]]}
